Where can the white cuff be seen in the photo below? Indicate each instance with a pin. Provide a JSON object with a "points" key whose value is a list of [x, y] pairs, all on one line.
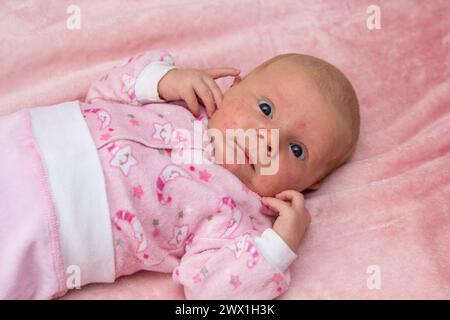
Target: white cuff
{"points": [[274, 249], [146, 88]]}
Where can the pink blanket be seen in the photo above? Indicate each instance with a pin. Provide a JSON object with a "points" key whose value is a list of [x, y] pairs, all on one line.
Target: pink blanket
{"points": [[381, 223]]}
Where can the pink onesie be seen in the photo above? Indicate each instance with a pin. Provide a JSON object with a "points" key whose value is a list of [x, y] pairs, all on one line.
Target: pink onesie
{"points": [[136, 189]]}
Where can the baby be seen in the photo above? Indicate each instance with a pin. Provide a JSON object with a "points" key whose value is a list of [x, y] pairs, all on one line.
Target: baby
{"points": [[91, 191]]}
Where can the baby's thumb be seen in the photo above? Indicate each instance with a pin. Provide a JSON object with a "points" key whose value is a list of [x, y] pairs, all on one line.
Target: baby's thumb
{"points": [[269, 209]]}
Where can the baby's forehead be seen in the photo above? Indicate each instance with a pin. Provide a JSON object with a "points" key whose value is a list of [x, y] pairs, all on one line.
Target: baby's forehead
{"points": [[291, 85], [282, 67]]}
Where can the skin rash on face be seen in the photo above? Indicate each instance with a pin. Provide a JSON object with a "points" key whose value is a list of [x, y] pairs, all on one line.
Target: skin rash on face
{"points": [[311, 132]]}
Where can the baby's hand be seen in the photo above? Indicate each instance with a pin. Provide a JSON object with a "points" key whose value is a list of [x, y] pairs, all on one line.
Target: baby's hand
{"points": [[293, 218], [188, 84]]}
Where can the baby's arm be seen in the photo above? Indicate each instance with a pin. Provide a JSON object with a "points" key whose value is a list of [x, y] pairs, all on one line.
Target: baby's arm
{"points": [[247, 266], [293, 218], [188, 84], [153, 77], [134, 81]]}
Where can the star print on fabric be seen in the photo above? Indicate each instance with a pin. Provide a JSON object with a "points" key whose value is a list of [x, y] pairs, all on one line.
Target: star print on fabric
{"points": [[134, 122], [123, 159], [138, 192], [105, 136], [204, 271], [204, 175], [156, 232], [179, 234], [234, 281], [162, 132]]}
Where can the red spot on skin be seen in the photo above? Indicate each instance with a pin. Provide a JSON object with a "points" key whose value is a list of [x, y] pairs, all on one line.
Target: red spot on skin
{"points": [[177, 272], [146, 256], [156, 232], [192, 168], [111, 129]]}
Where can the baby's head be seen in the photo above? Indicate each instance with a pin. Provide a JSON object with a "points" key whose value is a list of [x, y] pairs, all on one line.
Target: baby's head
{"points": [[313, 106]]}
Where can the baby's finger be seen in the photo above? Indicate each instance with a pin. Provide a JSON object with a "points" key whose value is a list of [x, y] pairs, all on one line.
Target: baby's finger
{"points": [[275, 204], [203, 92], [191, 99], [217, 93], [216, 73], [295, 197]]}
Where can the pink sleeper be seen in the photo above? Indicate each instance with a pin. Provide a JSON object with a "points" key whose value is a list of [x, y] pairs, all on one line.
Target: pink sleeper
{"points": [[122, 188]]}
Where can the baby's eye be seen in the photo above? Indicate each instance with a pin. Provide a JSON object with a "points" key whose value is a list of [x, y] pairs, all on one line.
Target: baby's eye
{"points": [[265, 108], [297, 150]]}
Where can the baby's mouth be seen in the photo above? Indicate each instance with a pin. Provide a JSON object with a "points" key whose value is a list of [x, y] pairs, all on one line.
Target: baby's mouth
{"points": [[246, 154]]}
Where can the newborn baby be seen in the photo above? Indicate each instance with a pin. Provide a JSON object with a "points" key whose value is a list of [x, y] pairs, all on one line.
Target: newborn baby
{"points": [[123, 182]]}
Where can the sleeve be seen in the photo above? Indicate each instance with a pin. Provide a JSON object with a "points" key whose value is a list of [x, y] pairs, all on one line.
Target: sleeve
{"points": [[133, 81], [244, 267]]}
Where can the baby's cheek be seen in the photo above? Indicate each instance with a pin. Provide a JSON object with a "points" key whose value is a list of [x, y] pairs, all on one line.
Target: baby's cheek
{"points": [[238, 108], [232, 120], [286, 177]]}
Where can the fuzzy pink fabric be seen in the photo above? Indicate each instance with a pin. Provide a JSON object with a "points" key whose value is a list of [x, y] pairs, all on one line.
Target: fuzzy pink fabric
{"points": [[389, 207]]}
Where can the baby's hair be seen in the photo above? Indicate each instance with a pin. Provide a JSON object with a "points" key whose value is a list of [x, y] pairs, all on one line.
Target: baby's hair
{"points": [[334, 86]]}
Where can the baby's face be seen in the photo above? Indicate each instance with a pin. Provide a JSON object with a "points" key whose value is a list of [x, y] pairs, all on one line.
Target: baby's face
{"points": [[310, 131]]}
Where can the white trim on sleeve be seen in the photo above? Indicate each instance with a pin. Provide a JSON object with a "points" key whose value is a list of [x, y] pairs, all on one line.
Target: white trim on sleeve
{"points": [[146, 87], [77, 186], [274, 249]]}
